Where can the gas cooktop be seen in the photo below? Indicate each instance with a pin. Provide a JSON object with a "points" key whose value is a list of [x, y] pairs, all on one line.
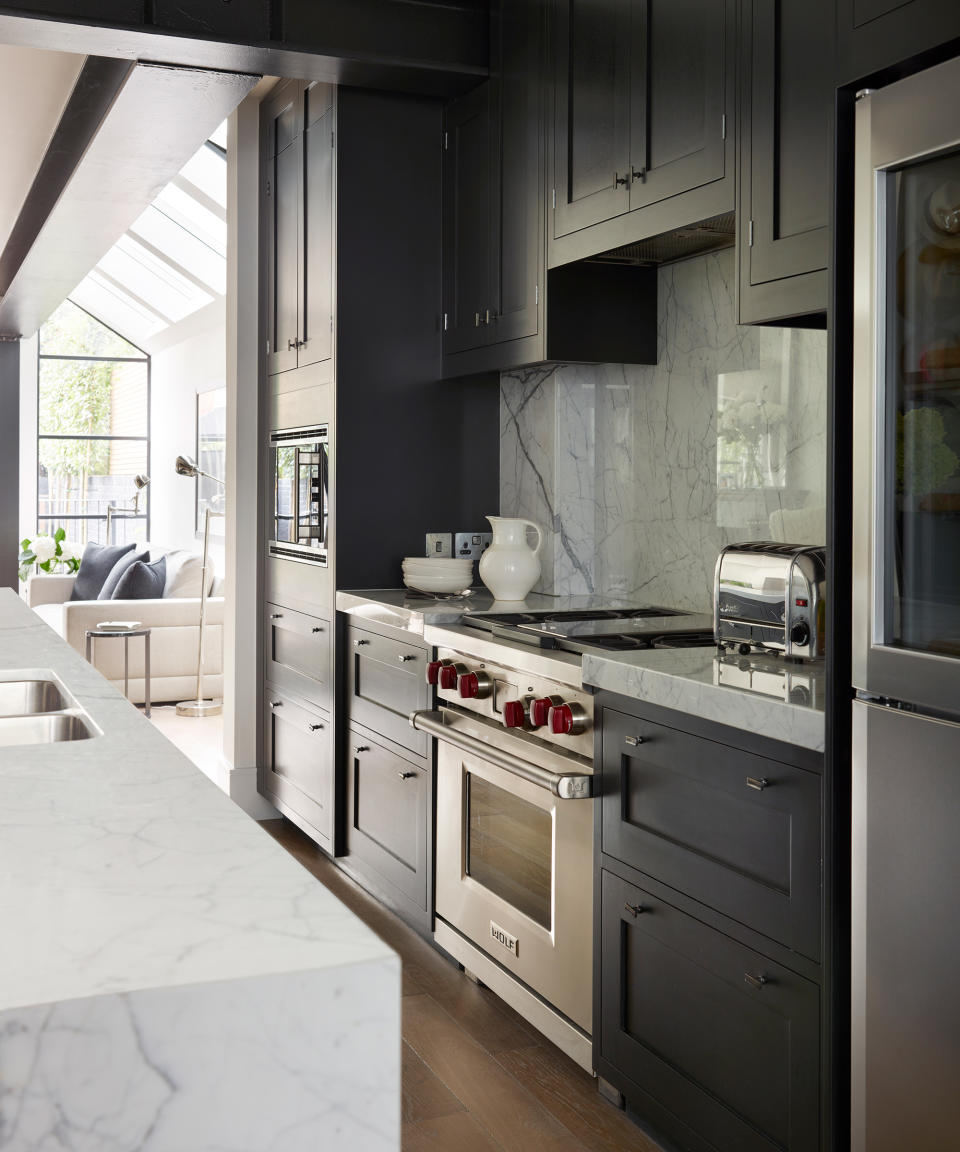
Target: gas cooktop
{"points": [[610, 629]]}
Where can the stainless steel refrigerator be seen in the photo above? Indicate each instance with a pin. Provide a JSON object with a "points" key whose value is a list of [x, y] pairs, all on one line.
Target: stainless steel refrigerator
{"points": [[905, 1091]]}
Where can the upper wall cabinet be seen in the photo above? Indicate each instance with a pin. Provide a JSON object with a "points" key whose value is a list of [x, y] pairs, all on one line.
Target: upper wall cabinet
{"points": [[298, 192], [493, 198], [643, 99], [784, 137], [875, 35]]}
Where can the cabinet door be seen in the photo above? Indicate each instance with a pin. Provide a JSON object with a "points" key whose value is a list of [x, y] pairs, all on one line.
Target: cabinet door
{"points": [[785, 140], [298, 762], [716, 1033], [282, 124], [735, 831], [878, 34], [387, 826], [517, 241], [386, 681], [316, 326], [298, 654], [678, 96], [467, 221], [592, 112]]}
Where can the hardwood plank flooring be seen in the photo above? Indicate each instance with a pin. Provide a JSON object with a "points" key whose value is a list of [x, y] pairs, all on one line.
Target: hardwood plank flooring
{"points": [[476, 1076]]}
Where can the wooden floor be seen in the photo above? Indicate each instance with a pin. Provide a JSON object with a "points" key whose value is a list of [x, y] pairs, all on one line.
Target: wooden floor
{"points": [[476, 1077]]}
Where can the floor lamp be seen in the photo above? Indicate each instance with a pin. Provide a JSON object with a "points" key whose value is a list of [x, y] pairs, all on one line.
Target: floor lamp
{"points": [[140, 481], [200, 707]]}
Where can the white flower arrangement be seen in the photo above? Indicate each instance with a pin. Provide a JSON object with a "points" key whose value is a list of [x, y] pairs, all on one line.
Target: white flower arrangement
{"points": [[49, 553]]}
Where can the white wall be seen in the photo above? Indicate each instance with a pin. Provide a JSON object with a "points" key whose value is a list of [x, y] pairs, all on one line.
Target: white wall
{"points": [[189, 358]]}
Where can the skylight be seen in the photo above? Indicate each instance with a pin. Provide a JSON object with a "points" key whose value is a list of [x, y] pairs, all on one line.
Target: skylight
{"points": [[172, 261]]}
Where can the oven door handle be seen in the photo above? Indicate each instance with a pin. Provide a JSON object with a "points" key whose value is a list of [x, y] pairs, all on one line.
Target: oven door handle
{"points": [[566, 786]]}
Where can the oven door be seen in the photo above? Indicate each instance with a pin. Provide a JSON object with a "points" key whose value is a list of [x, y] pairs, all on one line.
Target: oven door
{"points": [[515, 863], [300, 495]]}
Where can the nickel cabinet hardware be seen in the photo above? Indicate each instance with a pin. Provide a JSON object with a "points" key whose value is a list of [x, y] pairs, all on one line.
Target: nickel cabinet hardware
{"points": [[404, 657], [634, 741], [756, 982], [360, 749], [315, 727], [758, 784], [634, 909], [406, 775]]}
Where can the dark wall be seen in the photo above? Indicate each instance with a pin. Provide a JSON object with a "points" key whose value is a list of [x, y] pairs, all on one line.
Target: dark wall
{"points": [[9, 460], [414, 453]]}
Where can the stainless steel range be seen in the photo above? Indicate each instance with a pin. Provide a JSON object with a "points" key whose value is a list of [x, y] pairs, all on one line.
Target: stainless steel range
{"points": [[514, 851]]}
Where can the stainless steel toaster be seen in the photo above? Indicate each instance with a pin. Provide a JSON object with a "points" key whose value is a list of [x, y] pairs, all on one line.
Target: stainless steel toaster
{"points": [[770, 595]]}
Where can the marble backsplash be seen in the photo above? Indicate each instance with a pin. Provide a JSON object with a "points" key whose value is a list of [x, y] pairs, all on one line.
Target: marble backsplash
{"points": [[620, 462]]}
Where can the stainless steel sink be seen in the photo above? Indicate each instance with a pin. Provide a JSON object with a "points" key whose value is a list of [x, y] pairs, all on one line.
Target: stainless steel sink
{"points": [[30, 697], [52, 729]]}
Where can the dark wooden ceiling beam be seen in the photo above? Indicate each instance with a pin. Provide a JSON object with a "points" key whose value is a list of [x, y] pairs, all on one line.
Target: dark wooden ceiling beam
{"points": [[434, 47]]}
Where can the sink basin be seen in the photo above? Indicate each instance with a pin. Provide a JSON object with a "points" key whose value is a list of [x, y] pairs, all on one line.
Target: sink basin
{"points": [[15, 730], [30, 697]]}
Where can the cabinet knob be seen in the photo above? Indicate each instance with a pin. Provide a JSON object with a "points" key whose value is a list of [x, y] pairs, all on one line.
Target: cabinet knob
{"points": [[405, 657], [635, 741], [360, 643], [315, 727], [757, 785], [317, 629], [406, 775], [276, 615], [276, 703], [756, 982], [638, 174], [291, 345], [634, 909], [360, 748], [618, 180]]}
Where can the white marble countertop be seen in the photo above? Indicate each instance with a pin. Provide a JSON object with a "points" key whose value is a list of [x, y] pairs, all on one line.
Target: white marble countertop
{"points": [[128, 878], [692, 680]]}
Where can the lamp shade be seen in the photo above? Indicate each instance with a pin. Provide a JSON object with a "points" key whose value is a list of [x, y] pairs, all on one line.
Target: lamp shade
{"points": [[185, 466]]}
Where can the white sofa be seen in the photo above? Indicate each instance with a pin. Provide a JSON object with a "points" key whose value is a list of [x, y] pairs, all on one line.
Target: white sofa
{"points": [[175, 624]]}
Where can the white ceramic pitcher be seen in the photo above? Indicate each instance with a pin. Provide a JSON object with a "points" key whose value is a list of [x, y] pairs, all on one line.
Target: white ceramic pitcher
{"points": [[510, 567]]}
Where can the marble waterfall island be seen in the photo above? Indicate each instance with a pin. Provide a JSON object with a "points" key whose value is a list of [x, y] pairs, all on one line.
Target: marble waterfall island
{"points": [[171, 980]]}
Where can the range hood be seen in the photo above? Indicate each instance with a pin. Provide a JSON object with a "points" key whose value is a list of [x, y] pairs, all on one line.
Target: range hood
{"points": [[694, 240]]}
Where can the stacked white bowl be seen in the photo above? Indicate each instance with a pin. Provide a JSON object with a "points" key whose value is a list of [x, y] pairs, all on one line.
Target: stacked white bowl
{"points": [[437, 574]]}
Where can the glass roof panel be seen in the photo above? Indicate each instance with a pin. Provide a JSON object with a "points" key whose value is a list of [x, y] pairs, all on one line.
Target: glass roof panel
{"points": [[207, 169], [193, 216], [72, 332], [114, 307], [168, 237], [154, 281], [219, 136]]}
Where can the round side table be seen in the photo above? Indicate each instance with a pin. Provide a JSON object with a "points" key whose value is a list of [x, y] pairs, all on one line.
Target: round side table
{"points": [[125, 633]]}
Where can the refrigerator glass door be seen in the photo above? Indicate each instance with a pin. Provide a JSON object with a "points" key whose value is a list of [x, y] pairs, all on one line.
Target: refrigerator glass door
{"points": [[907, 392]]}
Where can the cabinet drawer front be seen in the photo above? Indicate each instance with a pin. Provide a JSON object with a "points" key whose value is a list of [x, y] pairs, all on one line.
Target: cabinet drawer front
{"points": [[299, 760], [298, 654], [715, 1032], [387, 815], [736, 831], [385, 683]]}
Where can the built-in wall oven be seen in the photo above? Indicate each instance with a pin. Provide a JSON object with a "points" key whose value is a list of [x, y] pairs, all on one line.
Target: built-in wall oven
{"points": [[300, 511], [514, 847]]}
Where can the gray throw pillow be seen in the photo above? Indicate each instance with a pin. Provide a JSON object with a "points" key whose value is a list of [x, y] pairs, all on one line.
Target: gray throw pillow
{"points": [[111, 582], [142, 581], [96, 565]]}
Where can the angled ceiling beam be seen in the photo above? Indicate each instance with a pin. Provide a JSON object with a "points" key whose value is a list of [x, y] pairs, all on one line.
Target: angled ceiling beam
{"points": [[158, 119]]}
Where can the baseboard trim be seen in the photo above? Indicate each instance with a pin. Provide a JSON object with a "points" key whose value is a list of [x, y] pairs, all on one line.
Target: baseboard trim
{"points": [[241, 787]]}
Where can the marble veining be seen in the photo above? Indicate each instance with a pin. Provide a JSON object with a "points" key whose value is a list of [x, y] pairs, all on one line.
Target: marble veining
{"points": [[159, 949], [620, 462]]}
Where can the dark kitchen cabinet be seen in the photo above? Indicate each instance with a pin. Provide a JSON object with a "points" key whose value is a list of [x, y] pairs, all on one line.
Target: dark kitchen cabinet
{"points": [[709, 1011], [299, 654], [785, 137], [493, 200], [878, 39], [643, 120], [385, 681], [714, 1033], [297, 767], [298, 196]]}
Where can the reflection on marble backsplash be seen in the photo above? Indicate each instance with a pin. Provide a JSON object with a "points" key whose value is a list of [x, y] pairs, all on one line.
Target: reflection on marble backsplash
{"points": [[620, 462]]}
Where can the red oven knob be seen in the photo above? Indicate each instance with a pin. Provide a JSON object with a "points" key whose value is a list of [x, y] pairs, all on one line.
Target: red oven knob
{"points": [[447, 677], [433, 671], [540, 710], [514, 714], [567, 720], [474, 685]]}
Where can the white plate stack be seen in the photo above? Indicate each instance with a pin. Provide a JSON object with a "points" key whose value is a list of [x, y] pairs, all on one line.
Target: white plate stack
{"points": [[437, 575]]}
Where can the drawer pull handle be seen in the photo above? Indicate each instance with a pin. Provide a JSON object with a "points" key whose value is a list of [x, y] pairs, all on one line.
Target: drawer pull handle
{"points": [[406, 775], [755, 981], [405, 657], [317, 629], [276, 615], [276, 703], [360, 643], [635, 741], [634, 909], [360, 748], [757, 785], [315, 727]]}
